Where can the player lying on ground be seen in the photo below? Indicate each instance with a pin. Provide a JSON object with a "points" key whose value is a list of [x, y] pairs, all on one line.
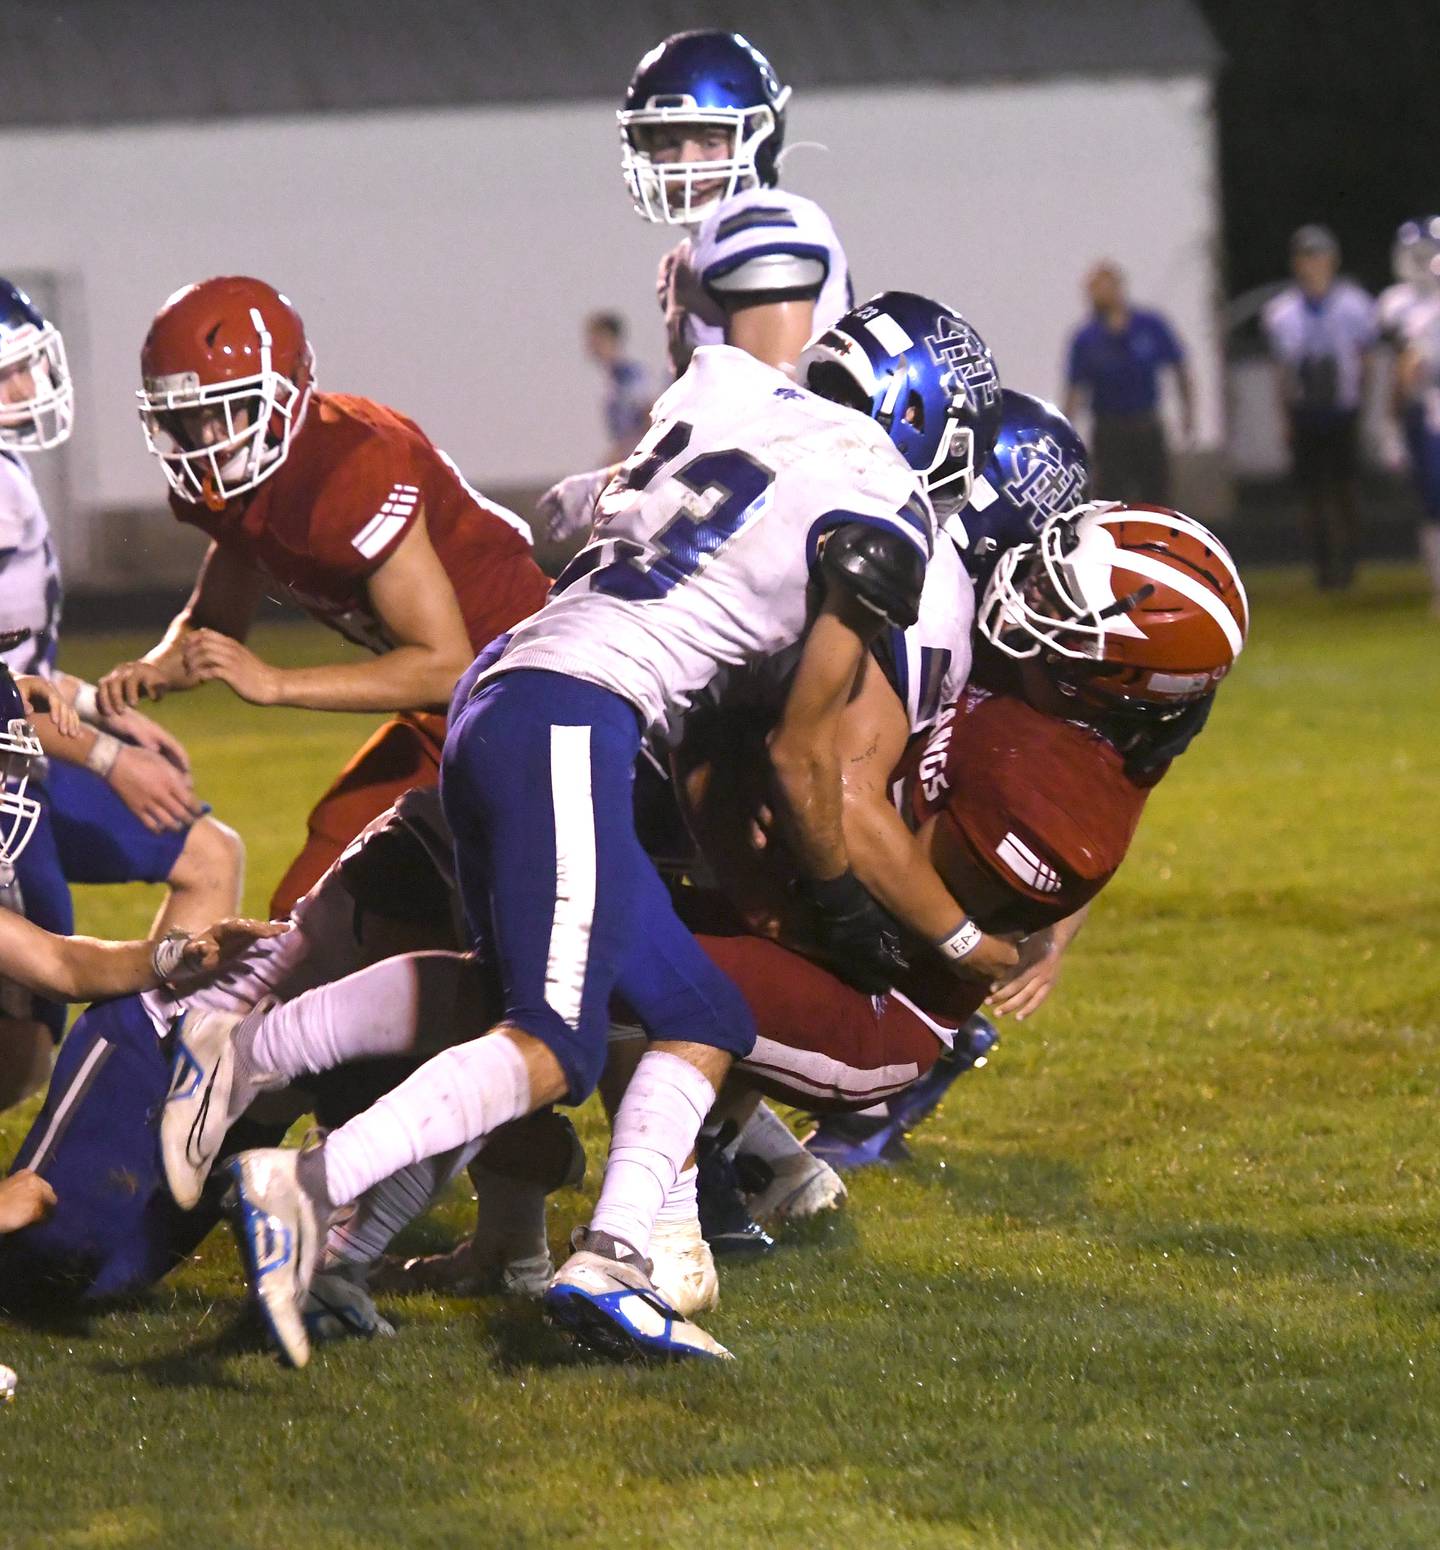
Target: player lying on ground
{"points": [[710, 558], [115, 1229], [116, 800], [760, 268], [1024, 801], [349, 510]]}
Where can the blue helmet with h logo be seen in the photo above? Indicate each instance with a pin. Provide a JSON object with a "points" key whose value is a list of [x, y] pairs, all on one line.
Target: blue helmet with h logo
{"points": [[39, 416], [699, 80], [922, 373], [1039, 466]]}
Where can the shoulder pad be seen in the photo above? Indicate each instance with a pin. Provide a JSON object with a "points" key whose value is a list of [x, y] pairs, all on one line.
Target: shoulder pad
{"points": [[880, 566]]}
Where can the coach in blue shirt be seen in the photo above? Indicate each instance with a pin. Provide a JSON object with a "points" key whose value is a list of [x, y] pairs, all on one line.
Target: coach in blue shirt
{"points": [[1115, 363]]}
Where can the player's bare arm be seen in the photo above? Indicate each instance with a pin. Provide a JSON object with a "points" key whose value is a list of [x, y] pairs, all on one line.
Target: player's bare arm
{"points": [[82, 968], [417, 606], [883, 852], [227, 592], [24, 1198], [774, 332], [804, 749], [1028, 986]]}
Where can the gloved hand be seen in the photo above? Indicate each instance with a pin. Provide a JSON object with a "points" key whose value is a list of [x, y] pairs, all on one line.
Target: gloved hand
{"points": [[859, 940], [339, 1305], [567, 509]]}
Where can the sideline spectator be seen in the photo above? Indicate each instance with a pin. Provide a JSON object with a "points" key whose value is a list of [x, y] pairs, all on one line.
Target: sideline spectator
{"points": [[1322, 331], [1115, 362], [630, 390]]}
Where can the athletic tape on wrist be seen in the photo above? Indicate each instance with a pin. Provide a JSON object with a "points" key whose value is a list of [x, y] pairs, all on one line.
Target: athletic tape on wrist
{"points": [[103, 753], [961, 942], [169, 955]]}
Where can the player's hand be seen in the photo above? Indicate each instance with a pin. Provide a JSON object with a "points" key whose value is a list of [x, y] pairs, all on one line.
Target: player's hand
{"points": [[210, 656], [141, 730], [1027, 987], [159, 795], [991, 958], [40, 694], [567, 510], [860, 941], [123, 687], [215, 946], [24, 1198]]}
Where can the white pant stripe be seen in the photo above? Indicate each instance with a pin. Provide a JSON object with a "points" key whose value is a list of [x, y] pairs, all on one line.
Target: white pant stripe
{"points": [[569, 954], [822, 1076]]}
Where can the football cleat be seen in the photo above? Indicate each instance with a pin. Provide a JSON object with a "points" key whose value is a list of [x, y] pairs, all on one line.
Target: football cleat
{"points": [[683, 1268], [793, 1188], [725, 1220], [281, 1238], [604, 1297], [850, 1141], [338, 1306], [196, 1115]]}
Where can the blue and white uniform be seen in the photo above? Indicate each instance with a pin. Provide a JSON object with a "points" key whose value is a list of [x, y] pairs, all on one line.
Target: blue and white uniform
{"points": [[86, 834], [761, 245], [701, 562]]}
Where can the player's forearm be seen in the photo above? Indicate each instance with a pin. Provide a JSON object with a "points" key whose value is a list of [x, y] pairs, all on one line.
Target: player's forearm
{"points": [[169, 653], [885, 857], [809, 807], [407, 678], [82, 968], [1064, 932], [87, 747]]}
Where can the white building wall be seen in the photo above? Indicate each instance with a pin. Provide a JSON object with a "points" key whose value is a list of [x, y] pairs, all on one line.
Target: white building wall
{"points": [[443, 260]]}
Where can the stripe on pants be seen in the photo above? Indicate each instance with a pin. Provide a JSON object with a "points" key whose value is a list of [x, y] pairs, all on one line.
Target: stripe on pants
{"points": [[569, 954]]}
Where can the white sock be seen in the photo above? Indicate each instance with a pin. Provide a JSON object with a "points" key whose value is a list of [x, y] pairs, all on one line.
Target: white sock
{"points": [[680, 1203], [376, 1012], [655, 1129], [459, 1095], [768, 1137]]}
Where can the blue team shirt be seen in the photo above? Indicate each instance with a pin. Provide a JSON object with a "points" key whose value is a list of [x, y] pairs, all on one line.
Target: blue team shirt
{"points": [[1122, 370], [627, 401]]}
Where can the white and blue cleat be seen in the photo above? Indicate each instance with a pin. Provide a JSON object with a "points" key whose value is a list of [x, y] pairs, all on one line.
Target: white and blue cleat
{"points": [[281, 1239], [196, 1115], [603, 1296]]}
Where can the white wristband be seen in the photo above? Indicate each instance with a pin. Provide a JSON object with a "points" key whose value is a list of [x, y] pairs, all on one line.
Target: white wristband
{"points": [[169, 956], [104, 751], [87, 703], [961, 942]]}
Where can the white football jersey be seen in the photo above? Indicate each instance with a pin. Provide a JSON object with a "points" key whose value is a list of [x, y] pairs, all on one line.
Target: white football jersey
{"points": [[763, 243], [30, 593], [705, 540], [1404, 311]]}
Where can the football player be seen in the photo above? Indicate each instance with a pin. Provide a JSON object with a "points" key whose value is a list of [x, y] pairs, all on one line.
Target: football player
{"points": [[116, 802], [1410, 321], [701, 130], [1039, 466], [755, 514], [345, 507]]}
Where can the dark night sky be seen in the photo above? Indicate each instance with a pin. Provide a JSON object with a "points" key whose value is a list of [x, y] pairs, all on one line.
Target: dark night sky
{"points": [[1329, 111]]}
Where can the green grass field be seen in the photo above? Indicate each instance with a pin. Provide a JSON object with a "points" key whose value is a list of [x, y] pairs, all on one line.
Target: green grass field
{"points": [[1166, 1274]]}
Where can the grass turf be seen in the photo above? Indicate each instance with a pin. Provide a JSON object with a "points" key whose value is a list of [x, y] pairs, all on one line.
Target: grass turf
{"points": [[1164, 1275]]}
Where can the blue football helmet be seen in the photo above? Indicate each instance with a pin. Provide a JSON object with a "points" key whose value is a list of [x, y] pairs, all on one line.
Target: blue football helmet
{"points": [[19, 749], [43, 410], [1415, 255], [922, 373], [1039, 466], [701, 78]]}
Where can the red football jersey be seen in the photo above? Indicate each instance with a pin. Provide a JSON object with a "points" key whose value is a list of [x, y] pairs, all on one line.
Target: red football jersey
{"points": [[1042, 808], [357, 479]]}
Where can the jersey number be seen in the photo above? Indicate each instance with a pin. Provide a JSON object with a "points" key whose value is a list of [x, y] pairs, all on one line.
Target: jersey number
{"points": [[625, 569]]}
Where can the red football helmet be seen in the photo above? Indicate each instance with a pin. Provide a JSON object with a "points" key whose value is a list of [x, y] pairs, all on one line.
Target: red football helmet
{"points": [[226, 372], [1133, 608]]}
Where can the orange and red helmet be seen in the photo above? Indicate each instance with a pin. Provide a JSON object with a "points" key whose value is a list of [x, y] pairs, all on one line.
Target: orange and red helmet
{"points": [[1131, 608], [226, 375]]}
